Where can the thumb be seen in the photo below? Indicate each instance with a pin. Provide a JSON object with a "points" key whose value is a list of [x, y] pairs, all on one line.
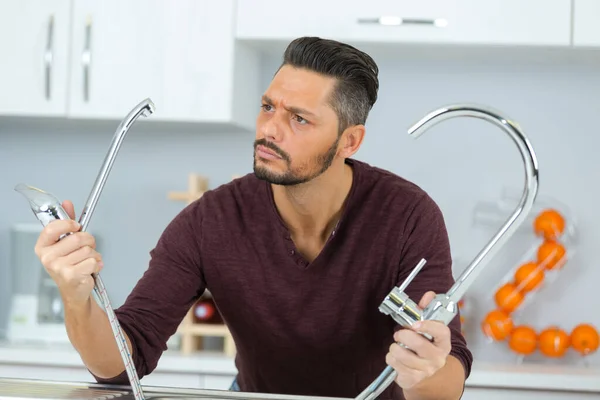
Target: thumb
{"points": [[69, 208], [426, 299]]}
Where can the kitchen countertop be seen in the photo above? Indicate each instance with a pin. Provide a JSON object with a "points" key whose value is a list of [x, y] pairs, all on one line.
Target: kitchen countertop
{"points": [[63, 355], [535, 376], [484, 375]]}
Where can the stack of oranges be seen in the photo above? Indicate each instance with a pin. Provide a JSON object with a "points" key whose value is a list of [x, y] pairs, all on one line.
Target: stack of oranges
{"points": [[550, 225], [523, 339], [554, 341]]}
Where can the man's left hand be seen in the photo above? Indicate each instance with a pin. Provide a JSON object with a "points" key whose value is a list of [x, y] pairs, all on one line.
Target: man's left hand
{"points": [[424, 358]]}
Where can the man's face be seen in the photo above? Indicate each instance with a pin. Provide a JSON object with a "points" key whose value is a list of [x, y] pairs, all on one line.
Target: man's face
{"points": [[296, 129]]}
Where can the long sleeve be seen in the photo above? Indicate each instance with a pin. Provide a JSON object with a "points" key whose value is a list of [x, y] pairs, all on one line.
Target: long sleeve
{"points": [[426, 237], [172, 283]]}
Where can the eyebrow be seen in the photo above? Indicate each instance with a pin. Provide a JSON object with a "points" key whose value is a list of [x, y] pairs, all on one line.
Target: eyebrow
{"points": [[292, 109]]}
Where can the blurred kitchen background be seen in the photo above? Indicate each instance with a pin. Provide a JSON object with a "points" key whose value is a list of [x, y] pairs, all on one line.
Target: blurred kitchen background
{"points": [[72, 69]]}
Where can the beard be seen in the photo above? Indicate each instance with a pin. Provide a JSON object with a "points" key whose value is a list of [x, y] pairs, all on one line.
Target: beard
{"points": [[310, 170]]}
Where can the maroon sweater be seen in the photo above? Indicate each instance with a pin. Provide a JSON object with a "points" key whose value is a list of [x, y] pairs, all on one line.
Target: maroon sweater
{"points": [[299, 328]]}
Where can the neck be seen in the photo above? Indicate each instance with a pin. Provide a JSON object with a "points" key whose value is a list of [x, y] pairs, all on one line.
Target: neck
{"points": [[314, 208]]}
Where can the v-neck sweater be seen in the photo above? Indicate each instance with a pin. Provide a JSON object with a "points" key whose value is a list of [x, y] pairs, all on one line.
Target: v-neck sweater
{"points": [[299, 328]]}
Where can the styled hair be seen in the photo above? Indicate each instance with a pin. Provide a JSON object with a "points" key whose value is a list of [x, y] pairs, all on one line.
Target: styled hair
{"points": [[356, 73]]}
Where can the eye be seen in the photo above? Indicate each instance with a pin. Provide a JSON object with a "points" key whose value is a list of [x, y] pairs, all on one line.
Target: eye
{"points": [[300, 120], [266, 107]]}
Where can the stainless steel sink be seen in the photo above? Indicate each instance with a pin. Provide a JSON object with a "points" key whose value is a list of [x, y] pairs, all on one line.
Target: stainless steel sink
{"points": [[28, 389], [15, 389]]}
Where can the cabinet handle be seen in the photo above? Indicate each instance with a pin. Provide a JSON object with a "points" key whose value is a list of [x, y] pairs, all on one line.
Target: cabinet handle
{"points": [[48, 56], [397, 21], [86, 59]]}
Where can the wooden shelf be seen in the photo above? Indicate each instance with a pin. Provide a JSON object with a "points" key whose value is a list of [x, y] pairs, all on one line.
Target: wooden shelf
{"points": [[205, 329], [191, 334]]}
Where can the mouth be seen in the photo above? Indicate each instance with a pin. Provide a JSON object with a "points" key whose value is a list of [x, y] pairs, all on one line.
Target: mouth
{"points": [[264, 152]]}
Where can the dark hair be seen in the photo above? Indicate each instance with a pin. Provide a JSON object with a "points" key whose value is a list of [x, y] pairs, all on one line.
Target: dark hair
{"points": [[356, 72]]}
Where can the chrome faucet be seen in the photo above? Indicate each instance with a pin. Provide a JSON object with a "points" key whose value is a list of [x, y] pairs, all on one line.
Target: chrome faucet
{"points": [[47, 208], [444, 307]]}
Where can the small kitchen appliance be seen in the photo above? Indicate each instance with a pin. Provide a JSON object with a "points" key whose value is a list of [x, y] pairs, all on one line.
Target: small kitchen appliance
{"points": [[36, 310]]}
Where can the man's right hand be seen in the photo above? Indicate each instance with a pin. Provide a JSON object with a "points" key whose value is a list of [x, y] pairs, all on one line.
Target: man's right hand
{"points": [[71, 261]]}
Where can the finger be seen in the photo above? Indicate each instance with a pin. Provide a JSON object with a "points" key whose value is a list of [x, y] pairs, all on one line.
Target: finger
{"points": [[71, 243], [81, 254], [54, 230], [418, 344], [426, 299], [87, 267], [435, 329], [405, 373], [50, 254], [69, 208], [80, 275], [407, 358]]}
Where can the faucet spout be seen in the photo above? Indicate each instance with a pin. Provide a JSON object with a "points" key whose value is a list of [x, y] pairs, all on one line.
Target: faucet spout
{"points": [[530, 189], [47, 208], [145, 108], [444, 307]]}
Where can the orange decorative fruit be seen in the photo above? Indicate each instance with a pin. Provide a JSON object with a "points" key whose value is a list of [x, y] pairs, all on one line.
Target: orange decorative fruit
{"points": [[523, 340], [497, 325], [529, 276], [549, 224], [551, 254], [508, 297], [585, 339], [553, 342]]}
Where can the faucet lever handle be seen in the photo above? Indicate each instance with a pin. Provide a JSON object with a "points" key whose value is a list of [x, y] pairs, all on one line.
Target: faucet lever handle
{"points": [[412, 275], [406, 312], [399, 306]]}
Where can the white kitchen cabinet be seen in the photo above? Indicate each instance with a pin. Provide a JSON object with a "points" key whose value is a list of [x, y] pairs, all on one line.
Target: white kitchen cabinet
{"points": [[34, 52], [586, 26], [181, 54], [489, 22]]}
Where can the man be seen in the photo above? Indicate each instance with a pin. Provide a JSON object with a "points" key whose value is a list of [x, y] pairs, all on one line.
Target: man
{"points": [[297, 255]]}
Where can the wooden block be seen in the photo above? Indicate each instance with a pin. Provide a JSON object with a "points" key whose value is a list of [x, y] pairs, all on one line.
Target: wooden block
{"points": [[197, 185], [191, 333], [229, 346]]}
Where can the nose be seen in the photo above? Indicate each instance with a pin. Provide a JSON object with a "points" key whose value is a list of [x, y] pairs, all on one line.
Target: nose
{"points": [[271, 129]]}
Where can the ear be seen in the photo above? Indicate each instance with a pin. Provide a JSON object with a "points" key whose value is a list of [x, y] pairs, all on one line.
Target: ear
{"points": [[351, 140]]}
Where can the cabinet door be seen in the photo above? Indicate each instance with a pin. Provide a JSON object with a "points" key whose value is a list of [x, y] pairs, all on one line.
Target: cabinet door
{"points": [[178, 53], [586, 23], [492, 22], [34, 45]]}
